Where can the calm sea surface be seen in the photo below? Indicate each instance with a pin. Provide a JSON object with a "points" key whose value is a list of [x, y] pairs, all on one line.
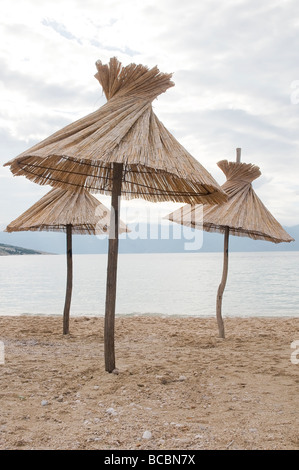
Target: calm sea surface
{"points": [[259, 284]]}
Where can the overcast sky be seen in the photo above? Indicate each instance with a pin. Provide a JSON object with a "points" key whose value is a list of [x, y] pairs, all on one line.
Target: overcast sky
{"points": [[235, 69]]}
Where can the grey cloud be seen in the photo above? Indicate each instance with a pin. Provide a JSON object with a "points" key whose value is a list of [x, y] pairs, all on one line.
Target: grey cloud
{"points": [[228, 120], [219, 132], [242, 46], [49, 94], [16, 194], [11, 146]]}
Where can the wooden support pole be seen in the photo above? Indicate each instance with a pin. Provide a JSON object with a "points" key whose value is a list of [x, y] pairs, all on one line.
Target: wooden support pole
{"points": [[112, 270], [222, 286], [69, 281], [224, 272]]}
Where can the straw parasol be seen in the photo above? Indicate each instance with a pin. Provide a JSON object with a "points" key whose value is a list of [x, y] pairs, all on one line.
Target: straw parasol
{"points": [[70, 211], [243, 215], [121, 149]]}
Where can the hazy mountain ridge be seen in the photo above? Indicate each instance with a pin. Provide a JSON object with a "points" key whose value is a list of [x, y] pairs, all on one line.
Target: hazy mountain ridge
{"points": [[17, 250], [142, 239]]}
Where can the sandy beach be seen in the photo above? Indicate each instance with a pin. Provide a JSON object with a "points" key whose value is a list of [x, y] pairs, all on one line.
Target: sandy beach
{"points": [[178, 385]]}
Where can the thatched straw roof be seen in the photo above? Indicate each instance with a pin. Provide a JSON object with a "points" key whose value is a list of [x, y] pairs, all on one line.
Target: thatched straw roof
{"points": [[59, 208], [244, 213], [125, 130]]}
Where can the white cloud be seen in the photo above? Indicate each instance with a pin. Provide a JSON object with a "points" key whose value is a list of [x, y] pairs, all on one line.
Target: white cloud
{"points": [[234, 63]]}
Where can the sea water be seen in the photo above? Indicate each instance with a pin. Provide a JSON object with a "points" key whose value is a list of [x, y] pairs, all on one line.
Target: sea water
{"points": [[184, 284]]}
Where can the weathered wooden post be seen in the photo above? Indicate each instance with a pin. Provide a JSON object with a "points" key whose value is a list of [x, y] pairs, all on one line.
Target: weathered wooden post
{"points": [[222, 285], [69, 281], [224, 272], [112, 269]]}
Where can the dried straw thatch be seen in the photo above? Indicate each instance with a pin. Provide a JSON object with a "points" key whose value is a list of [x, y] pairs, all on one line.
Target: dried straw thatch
{"points": [[243, 214], [59, 208], [125, 130], [70, 211], [121, 149]]}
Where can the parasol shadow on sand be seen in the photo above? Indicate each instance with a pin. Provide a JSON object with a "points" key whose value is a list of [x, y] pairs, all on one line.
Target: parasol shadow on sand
{"points": [[122, 149], [243, 215], [70, 211]]}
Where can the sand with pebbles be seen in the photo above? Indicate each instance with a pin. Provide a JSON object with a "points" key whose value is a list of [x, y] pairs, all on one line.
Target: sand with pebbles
{"points": [[178, 385]]}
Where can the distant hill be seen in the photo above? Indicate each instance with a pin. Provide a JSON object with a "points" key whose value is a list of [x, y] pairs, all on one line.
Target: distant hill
{"points": [[17, 250], [145, 239]]}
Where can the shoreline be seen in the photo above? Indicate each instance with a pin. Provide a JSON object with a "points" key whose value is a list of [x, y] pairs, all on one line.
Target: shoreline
{"points": [[176, 379], [150, 315]]}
